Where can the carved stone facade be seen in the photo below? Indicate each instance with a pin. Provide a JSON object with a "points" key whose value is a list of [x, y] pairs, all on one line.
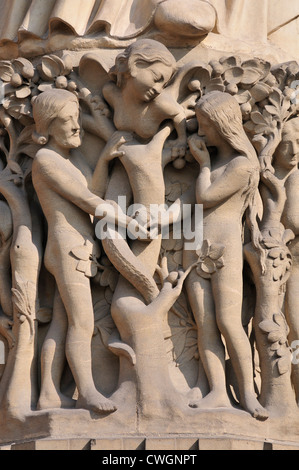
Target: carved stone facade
{"points": [[149, 224]]}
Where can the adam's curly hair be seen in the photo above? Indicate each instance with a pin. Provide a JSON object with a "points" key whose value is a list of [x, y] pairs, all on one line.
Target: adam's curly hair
{"points": [[46, 107]]}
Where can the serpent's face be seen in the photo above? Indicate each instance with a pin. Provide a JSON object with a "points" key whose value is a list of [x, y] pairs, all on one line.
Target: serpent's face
{"points": [[148, 80], [65, 129]]}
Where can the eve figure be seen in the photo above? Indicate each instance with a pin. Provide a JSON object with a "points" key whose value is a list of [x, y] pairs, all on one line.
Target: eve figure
{"points": [[226, 186], [141, 73], [68, 204]]}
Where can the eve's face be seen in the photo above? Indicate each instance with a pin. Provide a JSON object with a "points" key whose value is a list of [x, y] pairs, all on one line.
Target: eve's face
{"points": [[287, 153], [65, 129], [207, 130], [148, 80]]}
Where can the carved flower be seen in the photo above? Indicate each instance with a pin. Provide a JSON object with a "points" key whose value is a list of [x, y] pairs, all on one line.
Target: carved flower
{"points": [[275, 243], [87, 255], [210, 259], [277, 331], [20, 78], [54, 72]]}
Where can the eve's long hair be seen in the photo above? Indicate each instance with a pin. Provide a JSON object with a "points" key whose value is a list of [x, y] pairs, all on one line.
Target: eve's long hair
{"points": [[223, 111]]}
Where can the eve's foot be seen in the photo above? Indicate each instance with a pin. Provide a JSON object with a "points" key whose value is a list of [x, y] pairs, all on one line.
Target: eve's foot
{"points": [[194, 395], [251, 404], [214, 399], [52, 401], [97, 403]]}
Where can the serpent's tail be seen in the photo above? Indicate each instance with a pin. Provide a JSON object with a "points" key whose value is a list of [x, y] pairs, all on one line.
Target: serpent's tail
{"points": [[123, 259]]}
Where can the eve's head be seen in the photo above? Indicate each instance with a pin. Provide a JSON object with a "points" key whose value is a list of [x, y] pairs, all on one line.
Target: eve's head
{"points": [[219, 117], [57, 118], [147, 66]]}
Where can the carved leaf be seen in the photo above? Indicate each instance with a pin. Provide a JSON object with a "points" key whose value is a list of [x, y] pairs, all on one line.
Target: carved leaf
{"points": [[271, 109], [250, 76], [258, 118], [81, 252], [208, 266], [275, 98], [45, 86], [24, 67], [49, 68], [81, 266], [234, 75], [260, 91], [20, 300], [270, 243], [6, 71], [279, 319], [23, 92], [203, 274], [284, 365], [91, 269], [268, 325], [243, 96], [275, 346], [275, 336], [231, 61], [216, 251], [67, 64], [205, 248], [274, 253]]}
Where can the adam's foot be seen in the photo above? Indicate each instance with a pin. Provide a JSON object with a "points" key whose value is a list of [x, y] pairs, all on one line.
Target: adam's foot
{"points": [[214, 399], [97, 403]]}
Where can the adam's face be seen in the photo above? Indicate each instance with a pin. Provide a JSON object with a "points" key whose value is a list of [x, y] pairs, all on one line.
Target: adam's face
{"points": [[65, 129], [148, 80], [287, 153]]}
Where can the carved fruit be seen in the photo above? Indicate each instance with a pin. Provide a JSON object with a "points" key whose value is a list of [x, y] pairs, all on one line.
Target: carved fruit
{"points": [[61, 82], [16, 80], [246, 108], [72, 86], [232, 88], [28, 72], [179, 163], [172, 278], [194, 85]]}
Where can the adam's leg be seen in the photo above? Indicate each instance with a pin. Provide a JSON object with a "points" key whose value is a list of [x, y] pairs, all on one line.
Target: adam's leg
{"points": [[53, 360], [77, 300]]}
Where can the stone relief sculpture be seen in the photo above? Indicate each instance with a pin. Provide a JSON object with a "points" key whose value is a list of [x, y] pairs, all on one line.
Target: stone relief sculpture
{"points": [[101, 171], [229, 180]]}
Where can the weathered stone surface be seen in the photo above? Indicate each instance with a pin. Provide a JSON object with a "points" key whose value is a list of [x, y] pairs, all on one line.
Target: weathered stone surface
{"points": [[149, 225]]}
